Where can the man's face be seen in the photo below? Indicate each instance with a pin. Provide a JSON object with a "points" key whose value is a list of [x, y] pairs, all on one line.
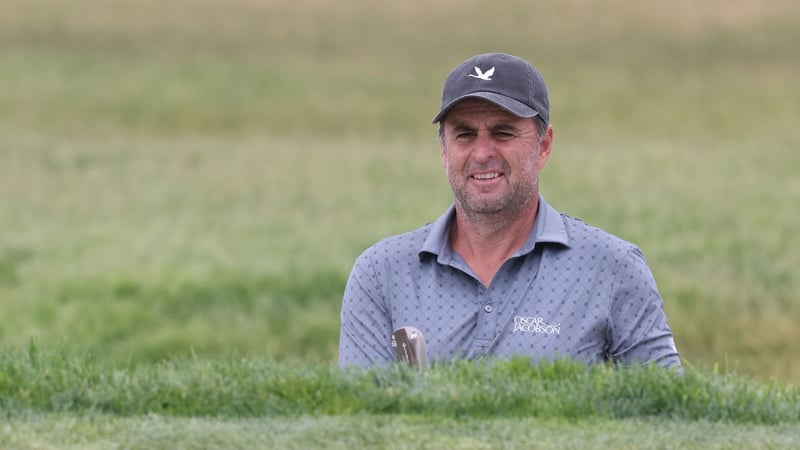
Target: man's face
{"points": [[492, 158]]}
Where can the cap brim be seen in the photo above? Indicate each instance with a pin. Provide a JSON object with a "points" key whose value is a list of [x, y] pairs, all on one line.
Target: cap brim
{"points": [[509, 104]]}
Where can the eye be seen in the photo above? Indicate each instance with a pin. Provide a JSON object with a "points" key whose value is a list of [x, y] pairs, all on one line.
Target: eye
{"points": [[503, 135], [464, 135]]}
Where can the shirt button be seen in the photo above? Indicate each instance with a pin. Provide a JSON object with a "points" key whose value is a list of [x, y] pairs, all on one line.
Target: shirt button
{"points": [[487, 308]]}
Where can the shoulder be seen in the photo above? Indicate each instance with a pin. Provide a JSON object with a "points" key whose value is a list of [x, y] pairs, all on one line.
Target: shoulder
{"points": [[591, 239], [594, 252], [397, 247]]}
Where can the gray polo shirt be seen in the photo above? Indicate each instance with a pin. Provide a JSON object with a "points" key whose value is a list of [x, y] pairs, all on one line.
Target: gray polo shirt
{"points": [[571, 291]]}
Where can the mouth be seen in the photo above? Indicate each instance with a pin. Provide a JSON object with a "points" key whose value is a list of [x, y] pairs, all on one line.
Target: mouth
{"points": [[486, 176]]}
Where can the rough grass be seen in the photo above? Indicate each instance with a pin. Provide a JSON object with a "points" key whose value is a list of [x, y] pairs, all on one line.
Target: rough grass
{"points": [[66, 399], [34, 381], [178, 176]]}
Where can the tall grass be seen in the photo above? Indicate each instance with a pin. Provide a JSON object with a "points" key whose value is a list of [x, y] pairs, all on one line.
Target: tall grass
{"points": [[198, 176], [34, 381]]}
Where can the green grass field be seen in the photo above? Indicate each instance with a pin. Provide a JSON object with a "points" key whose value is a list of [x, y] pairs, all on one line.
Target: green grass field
{"points": [[193, 179], [68, 399]]}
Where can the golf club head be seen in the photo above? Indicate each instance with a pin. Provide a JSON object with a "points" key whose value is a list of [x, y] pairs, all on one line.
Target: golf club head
{"points": [[409, 346]]}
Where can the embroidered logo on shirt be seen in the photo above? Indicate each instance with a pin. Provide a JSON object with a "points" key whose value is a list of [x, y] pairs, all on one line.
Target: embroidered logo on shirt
{"points": [[529, 324]]}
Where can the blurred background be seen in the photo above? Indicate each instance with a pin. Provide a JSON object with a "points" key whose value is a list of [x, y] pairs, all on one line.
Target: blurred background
{"points": [[196, 177]]}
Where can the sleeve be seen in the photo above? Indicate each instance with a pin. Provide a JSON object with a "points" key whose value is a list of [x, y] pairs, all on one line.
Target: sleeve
{"points": [[639, 331], [365, 334]]}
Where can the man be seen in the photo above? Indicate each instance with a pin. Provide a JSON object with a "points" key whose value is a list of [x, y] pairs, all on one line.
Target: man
{"points": [[501, 273]]}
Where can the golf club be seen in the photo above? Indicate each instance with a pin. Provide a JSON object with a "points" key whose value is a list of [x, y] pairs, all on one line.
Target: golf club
{"points": [[409, 346]]}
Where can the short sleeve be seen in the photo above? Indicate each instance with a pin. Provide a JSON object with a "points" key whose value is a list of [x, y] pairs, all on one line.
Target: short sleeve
{"points": [[365, 332], [639, 331]]}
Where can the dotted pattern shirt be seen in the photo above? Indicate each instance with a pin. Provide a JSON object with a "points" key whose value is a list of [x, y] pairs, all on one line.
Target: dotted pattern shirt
{"points": [[571, 291]]}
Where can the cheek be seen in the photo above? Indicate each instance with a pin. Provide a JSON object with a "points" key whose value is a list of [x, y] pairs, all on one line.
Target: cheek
{"points": [[449, 162], [447, 167], [530, 166]]}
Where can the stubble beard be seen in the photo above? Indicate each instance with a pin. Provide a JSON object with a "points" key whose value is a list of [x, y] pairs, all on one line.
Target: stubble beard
{"points": [[495, 213]]}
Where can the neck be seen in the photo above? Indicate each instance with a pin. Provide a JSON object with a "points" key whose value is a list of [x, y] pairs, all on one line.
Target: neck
{"points": [[486, 241]]}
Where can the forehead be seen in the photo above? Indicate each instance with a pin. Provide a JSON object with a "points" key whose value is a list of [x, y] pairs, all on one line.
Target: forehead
{"points": [[473, 109]]}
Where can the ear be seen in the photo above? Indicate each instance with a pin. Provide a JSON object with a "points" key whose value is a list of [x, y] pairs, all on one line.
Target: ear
{"points": [[545, 147]]}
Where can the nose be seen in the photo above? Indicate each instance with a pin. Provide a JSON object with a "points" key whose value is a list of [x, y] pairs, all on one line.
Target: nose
{"points": [[483, 148]]}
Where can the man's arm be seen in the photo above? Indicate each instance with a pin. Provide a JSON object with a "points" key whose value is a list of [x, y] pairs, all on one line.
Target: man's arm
{"points": [[639, 331], [364, 338]]}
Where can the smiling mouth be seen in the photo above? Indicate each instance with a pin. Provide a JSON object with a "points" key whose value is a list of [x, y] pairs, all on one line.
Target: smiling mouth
{"points": [[486, 176]]}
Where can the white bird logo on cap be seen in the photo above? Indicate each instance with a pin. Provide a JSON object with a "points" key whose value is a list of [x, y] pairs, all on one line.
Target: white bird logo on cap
{"points": [[483, 76]]}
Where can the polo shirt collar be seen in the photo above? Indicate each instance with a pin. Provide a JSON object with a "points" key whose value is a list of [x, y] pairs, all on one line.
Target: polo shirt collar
{"points": [[548, 228]]}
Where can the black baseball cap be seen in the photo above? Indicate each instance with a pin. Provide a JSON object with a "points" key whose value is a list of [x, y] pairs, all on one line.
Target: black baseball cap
{"points": [[507, 81]]}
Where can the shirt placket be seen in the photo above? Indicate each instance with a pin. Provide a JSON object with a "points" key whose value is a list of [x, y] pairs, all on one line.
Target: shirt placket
{"points": [[486, 325]]}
